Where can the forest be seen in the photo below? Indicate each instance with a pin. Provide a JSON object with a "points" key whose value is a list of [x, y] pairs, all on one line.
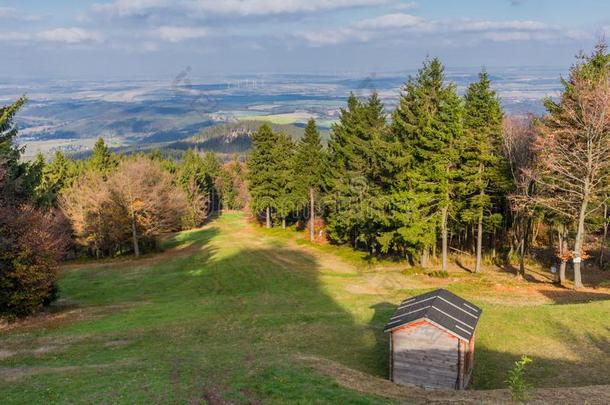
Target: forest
{"points": [[441, 175]]}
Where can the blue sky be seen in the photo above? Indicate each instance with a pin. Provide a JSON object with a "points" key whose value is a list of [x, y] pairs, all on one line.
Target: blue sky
{"points": [[157, 38]]}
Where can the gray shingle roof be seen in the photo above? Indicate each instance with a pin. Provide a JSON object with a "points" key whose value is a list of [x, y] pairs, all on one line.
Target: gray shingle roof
{"points": [[442, 307]]}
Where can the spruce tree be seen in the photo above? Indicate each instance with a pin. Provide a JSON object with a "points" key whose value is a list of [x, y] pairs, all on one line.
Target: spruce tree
{"points": [[353, 170], [15, 183], [309, 168], [102, 160], [483, 169], [428, 124], [262, 174], [283, 152], [56, 176]]}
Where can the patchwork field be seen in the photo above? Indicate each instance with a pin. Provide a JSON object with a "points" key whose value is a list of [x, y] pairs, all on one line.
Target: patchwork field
{"points": [[235, 314]]}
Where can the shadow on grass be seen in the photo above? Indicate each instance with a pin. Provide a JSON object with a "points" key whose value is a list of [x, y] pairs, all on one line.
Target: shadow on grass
{"points": [[223, 321]]}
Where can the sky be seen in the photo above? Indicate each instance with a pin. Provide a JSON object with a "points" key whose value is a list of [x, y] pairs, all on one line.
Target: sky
{"points": [[123, 39]]}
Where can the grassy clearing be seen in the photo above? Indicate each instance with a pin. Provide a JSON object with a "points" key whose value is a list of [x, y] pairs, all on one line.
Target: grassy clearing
{"points": [[230, 312]]}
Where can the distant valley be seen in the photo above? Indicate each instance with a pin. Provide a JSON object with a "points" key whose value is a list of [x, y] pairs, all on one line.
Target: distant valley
{"points": [[219, 113]]}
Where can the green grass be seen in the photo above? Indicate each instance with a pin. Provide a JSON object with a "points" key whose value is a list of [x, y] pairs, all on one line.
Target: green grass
{"points": [[228, 311]]}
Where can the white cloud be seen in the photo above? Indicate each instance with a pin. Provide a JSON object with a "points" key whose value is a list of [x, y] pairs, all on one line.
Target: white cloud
{"points": [[478, 26], [69, 35], [397, 20], [10, 13], [179, 34], [11, 36], [130, 8], [400, 24], [405, 6], [334, 37]]}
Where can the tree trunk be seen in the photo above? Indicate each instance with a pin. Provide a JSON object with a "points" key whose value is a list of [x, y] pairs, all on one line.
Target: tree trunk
{"points": [[602, 246], [283, 222], [523, 247], [477, 267], [444, 219], [268, 218], [423, 261], [580, 236], [312, 231], [493, 244], [134, 235], [564, 262]]}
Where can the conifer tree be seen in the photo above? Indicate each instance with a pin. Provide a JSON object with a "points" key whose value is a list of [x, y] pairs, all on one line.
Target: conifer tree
{"points": [[15, 187], [285, 201], [102, 160], [353, 170], [428, 124], [484, 175], [262, 174], [58, 174], [309, 168]]}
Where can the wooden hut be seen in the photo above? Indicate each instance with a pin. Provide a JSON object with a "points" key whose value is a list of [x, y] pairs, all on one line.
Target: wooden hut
{"points": [[432, 341]]}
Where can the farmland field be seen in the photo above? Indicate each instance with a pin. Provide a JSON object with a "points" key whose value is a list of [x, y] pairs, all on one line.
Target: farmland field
{"points": [[233, 313]]}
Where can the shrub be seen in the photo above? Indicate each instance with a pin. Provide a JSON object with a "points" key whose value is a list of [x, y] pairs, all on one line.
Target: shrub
{"points": [[519, 388], [32, 243]]}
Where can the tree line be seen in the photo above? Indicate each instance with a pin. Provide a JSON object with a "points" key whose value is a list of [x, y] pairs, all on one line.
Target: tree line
{"points": [[102, 206], [446, 172], [439, 173]]}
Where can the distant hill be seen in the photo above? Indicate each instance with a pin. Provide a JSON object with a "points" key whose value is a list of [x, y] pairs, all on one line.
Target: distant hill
{"points": [[234, 137], [225, 139]]}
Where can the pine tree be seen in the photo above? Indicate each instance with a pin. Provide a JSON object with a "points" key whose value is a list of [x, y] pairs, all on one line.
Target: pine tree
{"points": [[483, 169], [428, 124], [58, 174], [15, 187], [262, 174], [102, 160], [285, 202], [353, 173], [309, 167]]}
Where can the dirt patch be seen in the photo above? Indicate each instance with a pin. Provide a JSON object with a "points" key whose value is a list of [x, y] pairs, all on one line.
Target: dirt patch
{"points": [[16, 373], [5, 354], [117, 343], [371, 385]]}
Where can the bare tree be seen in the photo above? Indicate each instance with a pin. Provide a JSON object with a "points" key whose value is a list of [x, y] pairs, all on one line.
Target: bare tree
{"points": [[573, 144], [518, 138]]}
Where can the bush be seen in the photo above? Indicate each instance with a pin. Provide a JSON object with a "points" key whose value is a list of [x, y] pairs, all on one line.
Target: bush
{"points": [[32, 243], [519, 388]]}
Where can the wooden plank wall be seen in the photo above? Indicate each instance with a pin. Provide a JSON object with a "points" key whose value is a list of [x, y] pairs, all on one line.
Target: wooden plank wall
{"points": [[425, 355]]}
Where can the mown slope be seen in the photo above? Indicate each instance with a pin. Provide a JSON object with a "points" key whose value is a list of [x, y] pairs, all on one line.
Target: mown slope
{"points": [[233, 313]]}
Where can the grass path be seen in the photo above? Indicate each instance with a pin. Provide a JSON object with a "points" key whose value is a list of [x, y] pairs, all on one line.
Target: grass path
{"points": [[231, 313]]}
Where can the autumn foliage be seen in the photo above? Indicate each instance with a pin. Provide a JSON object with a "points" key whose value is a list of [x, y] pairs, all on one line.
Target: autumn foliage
{"points": [[32, 244], [127, 211]]}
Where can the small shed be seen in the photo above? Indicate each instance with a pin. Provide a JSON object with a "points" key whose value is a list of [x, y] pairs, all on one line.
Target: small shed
{"points": [[432, 341]]}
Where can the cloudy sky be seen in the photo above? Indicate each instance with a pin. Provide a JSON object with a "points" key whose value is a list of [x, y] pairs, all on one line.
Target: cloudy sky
{"points": [[156, 38]]}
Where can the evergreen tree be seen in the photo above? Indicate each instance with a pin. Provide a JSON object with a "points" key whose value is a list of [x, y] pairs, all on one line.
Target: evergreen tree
{"points": [[309, 168], [16, 186], [57, 175], [262, 173], [483, 169], [428, 125], [285, 202], [102, 160], [354, 172]]}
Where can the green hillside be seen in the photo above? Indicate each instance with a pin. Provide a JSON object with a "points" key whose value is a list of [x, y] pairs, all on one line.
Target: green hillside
{"points": [[235, 313]]}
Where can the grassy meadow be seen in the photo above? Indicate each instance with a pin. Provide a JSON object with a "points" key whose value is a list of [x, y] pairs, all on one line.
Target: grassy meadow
{"points": [[233, 313]]}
